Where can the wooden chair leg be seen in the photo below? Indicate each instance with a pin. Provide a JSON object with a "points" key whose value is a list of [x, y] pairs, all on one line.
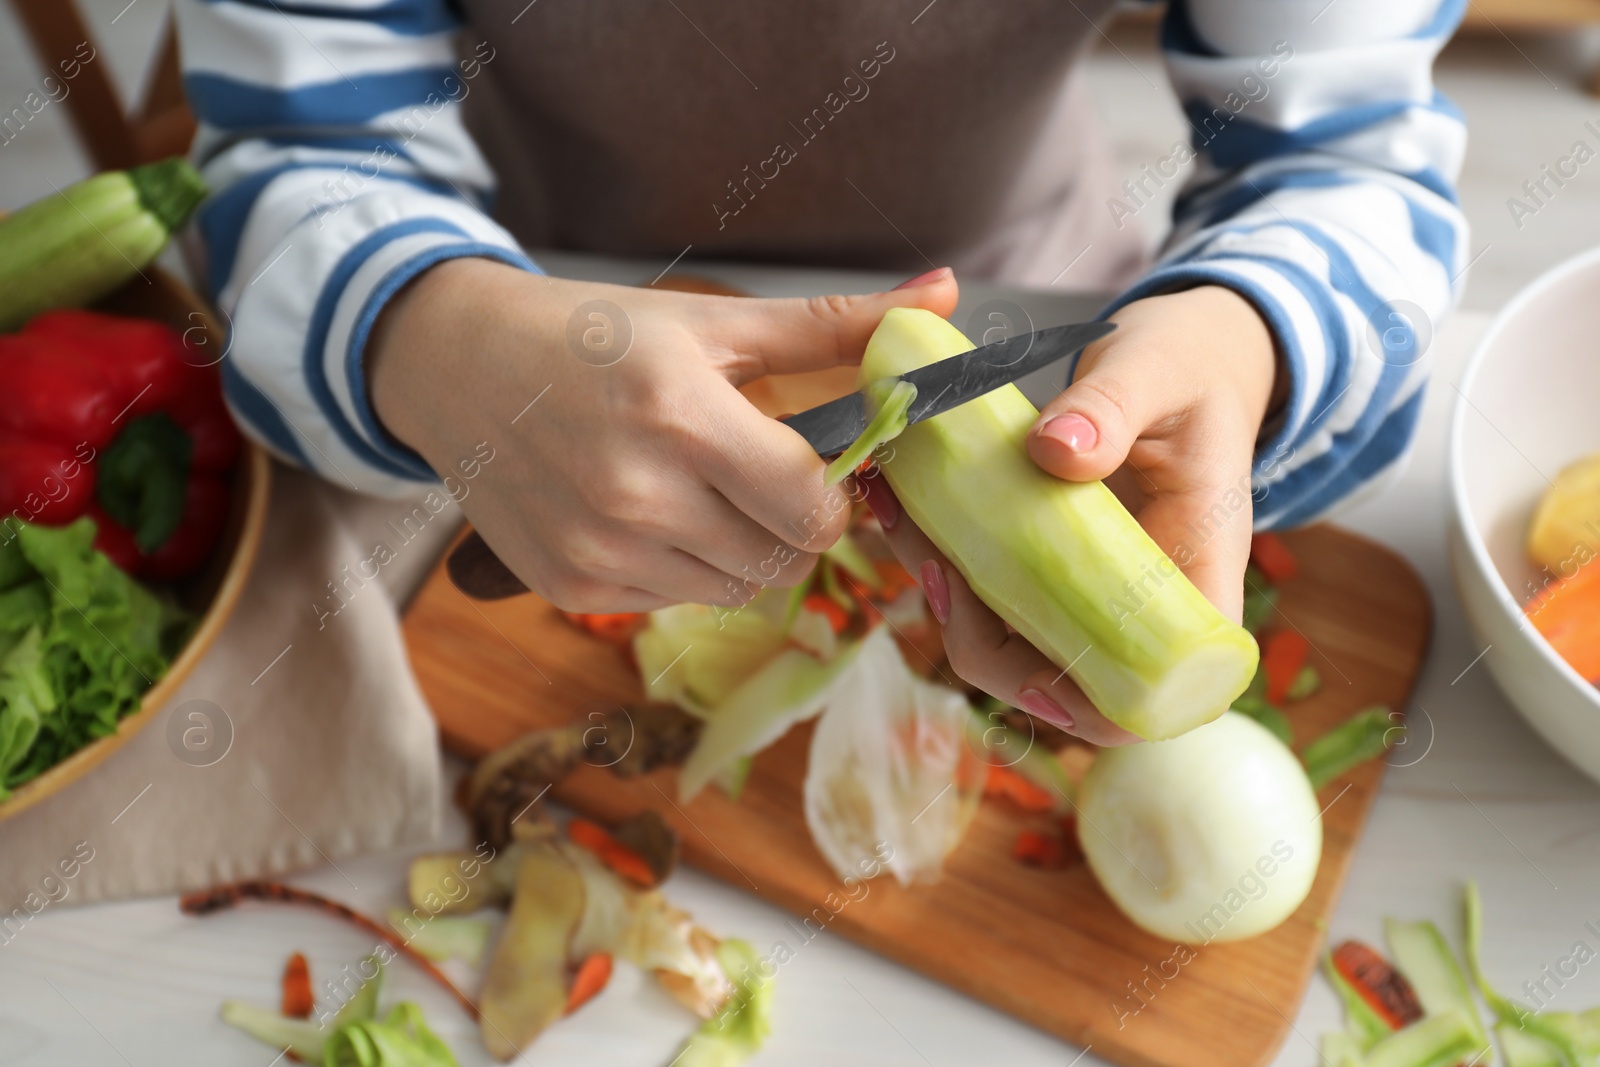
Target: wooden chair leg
{"points": [[57, 31], [165, 125]]}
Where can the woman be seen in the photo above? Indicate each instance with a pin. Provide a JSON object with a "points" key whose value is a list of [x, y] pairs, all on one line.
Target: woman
{"points": [[384, 326]]}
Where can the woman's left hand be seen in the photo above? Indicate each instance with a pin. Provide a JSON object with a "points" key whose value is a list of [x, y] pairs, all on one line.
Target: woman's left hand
{"points": [[1167, 409]]}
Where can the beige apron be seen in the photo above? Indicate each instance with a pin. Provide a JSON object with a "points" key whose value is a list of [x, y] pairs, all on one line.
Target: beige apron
{"points": [[830, 132]]}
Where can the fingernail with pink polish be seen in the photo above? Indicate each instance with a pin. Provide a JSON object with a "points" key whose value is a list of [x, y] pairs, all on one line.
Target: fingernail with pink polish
{"points": [[1074, 431], [1039, 704], [936, 590], [926, 278], [880, 498]]}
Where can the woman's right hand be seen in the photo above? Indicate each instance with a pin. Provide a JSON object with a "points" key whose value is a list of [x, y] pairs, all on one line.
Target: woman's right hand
{"points": [[639, 476]]}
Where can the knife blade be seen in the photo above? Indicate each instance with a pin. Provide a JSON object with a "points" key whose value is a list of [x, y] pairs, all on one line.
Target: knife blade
{"points": [[830, 428]]}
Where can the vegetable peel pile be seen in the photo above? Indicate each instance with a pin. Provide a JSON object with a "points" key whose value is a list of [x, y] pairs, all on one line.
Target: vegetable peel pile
{"points": [[355, 1036], [575, 909], [571, 918], [889, 761], [1419, 1010]]}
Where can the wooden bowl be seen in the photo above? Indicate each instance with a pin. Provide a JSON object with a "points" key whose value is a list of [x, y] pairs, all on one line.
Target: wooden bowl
{"points": [[214, 591]]}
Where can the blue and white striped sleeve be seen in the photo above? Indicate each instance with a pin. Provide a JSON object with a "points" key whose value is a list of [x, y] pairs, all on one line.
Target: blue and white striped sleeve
{"points": [[1323, 193], [331, 137]]}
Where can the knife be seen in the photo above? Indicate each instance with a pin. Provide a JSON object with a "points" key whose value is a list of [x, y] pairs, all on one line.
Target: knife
{"points": [[832, 427]]}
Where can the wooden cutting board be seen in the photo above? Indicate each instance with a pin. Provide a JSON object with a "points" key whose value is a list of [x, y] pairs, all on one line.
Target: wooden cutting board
{"points": [[1045, 946]]}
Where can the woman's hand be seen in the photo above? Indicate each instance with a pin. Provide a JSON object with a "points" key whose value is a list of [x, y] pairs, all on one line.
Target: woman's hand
{"points": [[1167, 409], [628, 474]]}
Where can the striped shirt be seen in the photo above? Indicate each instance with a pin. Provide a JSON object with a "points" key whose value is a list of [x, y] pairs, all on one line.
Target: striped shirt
{"points": [[1322, 191]]}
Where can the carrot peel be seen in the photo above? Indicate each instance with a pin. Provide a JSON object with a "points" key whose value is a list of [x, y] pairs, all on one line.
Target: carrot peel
{"points": [[1002, 781], [829, 608], [1273, 558], [1384, 989], [591, 977], [1283, 653], [894, 577], [621, 859], [218, 898], [1041, 850], [297, 1001], [617, 627]]}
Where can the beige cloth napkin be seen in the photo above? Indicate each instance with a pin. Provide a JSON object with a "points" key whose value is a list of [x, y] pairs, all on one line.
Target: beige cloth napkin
{"points": [[333, 752]]}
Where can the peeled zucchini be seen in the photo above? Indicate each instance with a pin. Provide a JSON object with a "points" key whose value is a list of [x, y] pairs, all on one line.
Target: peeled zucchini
{"points": [[1063, 562]]}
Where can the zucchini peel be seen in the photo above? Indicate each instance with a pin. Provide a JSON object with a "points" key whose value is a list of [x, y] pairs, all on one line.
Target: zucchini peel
{"points": [[887, 423]]}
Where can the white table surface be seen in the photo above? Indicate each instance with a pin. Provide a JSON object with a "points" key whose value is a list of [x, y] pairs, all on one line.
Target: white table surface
{"points": [[136, 984]]}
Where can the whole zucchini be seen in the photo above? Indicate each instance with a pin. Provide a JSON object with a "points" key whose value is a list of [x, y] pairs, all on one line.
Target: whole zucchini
{"points": [[1063, 562], [80, 244]]}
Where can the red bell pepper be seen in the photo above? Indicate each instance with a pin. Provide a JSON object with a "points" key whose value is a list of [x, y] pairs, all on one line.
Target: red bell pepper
{"points": [[112, 417]]}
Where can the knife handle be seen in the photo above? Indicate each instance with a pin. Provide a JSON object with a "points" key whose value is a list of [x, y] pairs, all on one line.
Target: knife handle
{"points": [[476, 571]]}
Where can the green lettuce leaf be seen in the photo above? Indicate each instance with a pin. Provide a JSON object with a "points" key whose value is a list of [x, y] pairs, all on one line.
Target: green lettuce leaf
{"points": [[25, 698], [80, 642]]}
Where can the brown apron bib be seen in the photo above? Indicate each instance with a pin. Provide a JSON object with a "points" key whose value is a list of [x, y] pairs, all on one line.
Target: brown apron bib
{"points": [[829, 132]]}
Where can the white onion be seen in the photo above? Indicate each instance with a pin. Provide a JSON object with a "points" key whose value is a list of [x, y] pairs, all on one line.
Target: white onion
{"points": [[1211, 836]]}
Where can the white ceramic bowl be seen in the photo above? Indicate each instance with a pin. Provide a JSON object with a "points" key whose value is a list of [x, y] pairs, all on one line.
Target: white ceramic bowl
{"points": [[1528, 405]]}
